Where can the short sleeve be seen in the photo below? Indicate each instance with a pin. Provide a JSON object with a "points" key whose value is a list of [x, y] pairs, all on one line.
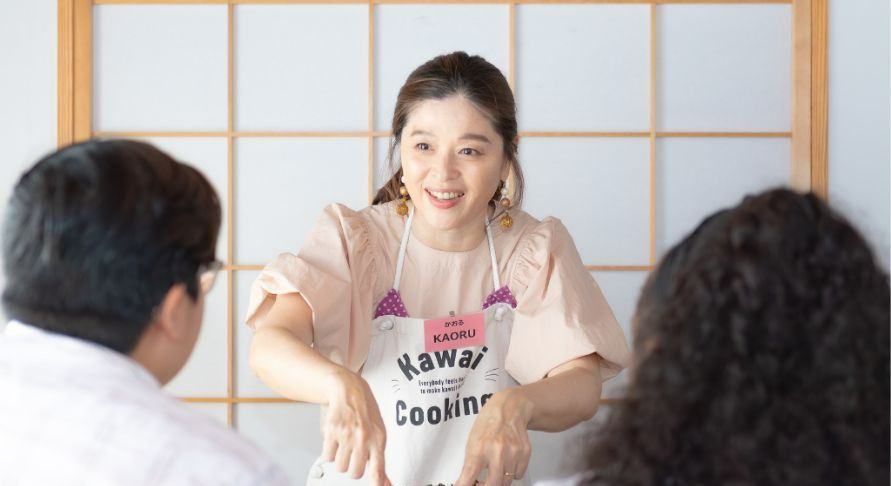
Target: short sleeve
{"points": [[334, 272], [561, 313]]}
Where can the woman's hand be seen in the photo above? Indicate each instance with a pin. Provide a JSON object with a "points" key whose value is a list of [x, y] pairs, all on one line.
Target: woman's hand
{"points": [[354, 433], [499, 440]]}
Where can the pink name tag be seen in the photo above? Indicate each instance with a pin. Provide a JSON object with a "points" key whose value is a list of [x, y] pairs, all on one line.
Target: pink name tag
{"points": [[454, 332]]}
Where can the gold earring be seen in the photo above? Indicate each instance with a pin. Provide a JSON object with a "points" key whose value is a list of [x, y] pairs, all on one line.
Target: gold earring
{"points": [[402, 208], [506, 220]]}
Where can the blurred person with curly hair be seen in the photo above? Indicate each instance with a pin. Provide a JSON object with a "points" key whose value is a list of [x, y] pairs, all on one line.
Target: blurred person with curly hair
{"points": [[761, 357]]}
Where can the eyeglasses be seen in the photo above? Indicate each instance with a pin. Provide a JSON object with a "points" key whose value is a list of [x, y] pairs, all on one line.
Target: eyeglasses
{"points": [[207, 275]]}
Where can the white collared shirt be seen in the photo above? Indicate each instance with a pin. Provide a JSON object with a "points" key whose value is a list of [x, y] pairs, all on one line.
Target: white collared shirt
{"points": [[73, 412]]}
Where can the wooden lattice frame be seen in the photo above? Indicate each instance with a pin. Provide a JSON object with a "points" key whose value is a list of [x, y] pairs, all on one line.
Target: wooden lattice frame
{"points": [[808, 136]]}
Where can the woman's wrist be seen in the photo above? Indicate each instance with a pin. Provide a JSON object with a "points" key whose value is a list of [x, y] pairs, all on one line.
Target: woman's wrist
{"points": [[338, 382], [515, 404]]}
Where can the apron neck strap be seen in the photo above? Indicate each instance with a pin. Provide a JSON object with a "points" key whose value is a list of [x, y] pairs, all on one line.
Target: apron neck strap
{"points": [[496, 281], [403, 245]]}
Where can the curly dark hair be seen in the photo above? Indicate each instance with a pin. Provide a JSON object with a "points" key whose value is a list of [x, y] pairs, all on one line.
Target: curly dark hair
{"points": [[761, 357]]}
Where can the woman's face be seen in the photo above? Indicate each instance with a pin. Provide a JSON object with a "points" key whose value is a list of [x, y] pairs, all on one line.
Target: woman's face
{"points": [[452, 161]]}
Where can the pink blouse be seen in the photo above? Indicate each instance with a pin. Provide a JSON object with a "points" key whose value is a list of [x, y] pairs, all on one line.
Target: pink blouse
{"points": [[347, 265]]}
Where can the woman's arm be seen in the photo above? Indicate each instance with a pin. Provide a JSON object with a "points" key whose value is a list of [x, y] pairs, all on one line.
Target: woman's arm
{"points": [[282, 356], [570, 394], [499, 440]]}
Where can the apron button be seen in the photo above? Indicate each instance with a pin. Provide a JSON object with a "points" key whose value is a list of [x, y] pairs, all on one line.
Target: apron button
{"points": [[499, 314], [387, 325], [316, 472]]}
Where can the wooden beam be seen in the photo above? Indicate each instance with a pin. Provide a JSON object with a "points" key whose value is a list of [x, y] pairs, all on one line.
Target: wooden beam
{"points": [[819, 98], [619, 268], [652, 139], [370, 102], [75, 76], [801, 95]]}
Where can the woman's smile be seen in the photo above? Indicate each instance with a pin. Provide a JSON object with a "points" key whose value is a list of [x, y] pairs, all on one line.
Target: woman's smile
{"points": [[444, 198]]}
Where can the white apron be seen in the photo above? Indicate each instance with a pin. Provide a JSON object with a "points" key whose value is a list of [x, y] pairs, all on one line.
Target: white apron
{"points": [[429, 400]]}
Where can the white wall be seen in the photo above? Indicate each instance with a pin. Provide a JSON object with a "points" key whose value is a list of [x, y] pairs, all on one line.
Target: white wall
{"points": [[859, 127], [28, 44]]}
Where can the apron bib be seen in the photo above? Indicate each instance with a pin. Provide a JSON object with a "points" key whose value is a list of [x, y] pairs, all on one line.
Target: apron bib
{"points": [[430, 378]]}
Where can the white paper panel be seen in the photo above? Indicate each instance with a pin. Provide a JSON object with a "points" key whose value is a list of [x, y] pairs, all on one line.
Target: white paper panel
{"points": [[583, 67], [28, 91], [216, 411], [382, 170], [859, 122], [208, 155], [288, 432], [407, 36], [205, 373], [160, 67], [246, 382], [622, 290], [599, 188], [697, 176], [282, 185], [724, 67], [301, 67]]}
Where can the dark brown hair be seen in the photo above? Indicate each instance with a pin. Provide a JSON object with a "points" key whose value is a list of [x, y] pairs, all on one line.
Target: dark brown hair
{"points": [[457, 74], [95, 235]]}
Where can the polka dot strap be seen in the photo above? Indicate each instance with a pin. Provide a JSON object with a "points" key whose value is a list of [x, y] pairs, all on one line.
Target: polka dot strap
{"points": [[502, 295], [391, 305]]}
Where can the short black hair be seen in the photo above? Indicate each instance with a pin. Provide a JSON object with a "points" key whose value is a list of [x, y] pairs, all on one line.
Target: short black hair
{"points": [[761, 357], [96, 234]]}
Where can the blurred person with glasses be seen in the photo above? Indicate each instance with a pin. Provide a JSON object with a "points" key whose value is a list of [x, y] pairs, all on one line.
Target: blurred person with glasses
{"points": [[108, 254]]}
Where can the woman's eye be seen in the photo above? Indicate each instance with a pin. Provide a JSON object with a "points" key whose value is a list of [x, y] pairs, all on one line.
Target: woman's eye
{"points": [[422, 146], [469, 151]]}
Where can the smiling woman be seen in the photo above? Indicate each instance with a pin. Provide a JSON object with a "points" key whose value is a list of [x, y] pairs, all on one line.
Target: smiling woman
{"points": [[530, 335], [452, 165]]}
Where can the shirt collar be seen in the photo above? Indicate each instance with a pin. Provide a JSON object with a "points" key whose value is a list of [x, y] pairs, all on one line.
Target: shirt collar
{"points": [[96, 352]]}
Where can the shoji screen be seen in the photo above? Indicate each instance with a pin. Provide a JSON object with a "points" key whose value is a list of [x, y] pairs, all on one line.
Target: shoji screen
{"points": [[636, 118]]}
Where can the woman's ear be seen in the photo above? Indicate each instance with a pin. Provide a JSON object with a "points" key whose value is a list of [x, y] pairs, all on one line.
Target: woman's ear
{"points": [[505, 170]]}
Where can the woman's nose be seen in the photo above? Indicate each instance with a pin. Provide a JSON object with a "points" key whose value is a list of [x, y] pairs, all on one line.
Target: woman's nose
{"points": [[446, 166]]}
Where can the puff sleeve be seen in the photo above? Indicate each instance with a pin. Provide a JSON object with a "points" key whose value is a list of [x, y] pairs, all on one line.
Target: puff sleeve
{"points": [[561, 313], [334, 272]]}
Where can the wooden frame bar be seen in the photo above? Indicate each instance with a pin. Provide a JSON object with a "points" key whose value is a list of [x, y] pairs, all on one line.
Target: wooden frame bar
{"points": [[75, 65], [809, 97], [230, 196], [436, 2], [373, 134], [819, 98], [370, 133], [653, 134], [801, 94]]}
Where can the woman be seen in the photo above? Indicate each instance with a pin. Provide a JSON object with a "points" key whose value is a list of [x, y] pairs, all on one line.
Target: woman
{"points": [[761, 357], [451, 397]]}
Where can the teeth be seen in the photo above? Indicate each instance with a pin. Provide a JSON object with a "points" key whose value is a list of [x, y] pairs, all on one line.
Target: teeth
{"points": [[446, 195]]}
